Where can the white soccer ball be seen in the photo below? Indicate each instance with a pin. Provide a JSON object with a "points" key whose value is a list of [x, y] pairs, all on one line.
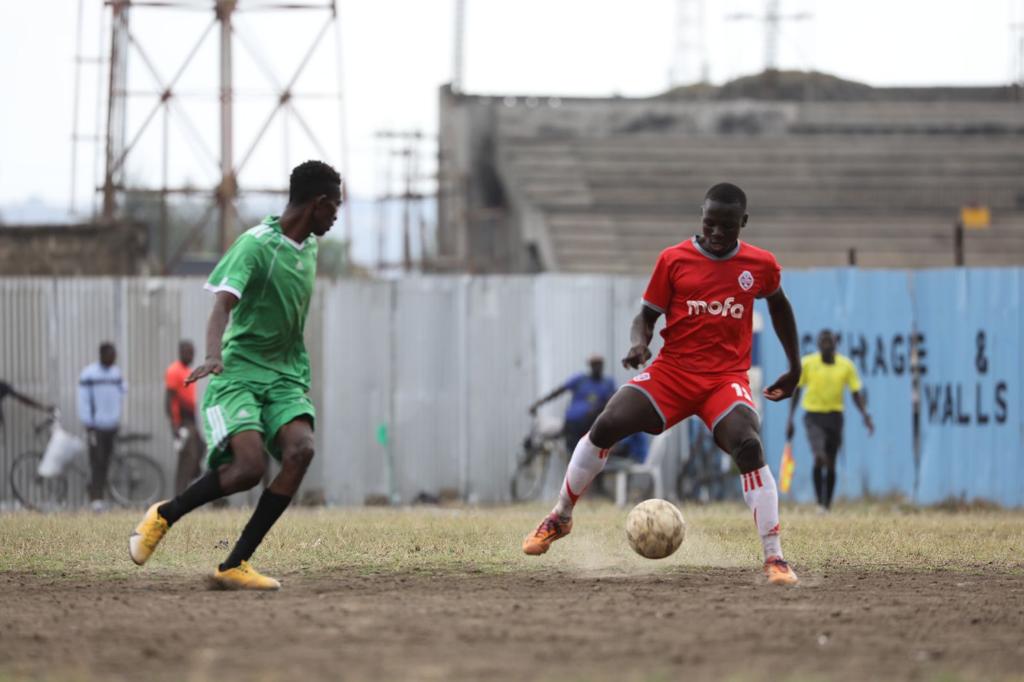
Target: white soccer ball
{"points": [[655, 529]]}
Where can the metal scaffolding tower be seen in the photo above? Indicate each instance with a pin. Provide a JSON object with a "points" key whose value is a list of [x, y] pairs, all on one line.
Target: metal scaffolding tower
{"points": [[689, 55], [121, 145]]}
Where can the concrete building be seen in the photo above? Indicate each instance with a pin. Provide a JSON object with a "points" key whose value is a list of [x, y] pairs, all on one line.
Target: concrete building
{"points": [[836, 172], [67, 250]]}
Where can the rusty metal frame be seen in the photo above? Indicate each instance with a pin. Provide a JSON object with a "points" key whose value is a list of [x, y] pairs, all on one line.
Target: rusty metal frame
{"points": [[124, 44]]}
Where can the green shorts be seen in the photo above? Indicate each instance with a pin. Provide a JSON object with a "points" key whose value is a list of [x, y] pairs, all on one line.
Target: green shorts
{"points": [[231, 406]]}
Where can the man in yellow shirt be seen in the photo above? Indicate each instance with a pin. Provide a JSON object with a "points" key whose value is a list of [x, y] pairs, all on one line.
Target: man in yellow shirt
{"points": [[824, 375]]}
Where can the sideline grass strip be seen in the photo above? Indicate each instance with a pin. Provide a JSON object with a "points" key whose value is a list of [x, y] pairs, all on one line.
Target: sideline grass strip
{"points": [[488, 540]]}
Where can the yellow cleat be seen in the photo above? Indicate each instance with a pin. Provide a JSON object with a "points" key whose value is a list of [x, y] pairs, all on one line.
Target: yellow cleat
{"points": [[147, 535], [550, 529], [244, 577], [778, 572]]}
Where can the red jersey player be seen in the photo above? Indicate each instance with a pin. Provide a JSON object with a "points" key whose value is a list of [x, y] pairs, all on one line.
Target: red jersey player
{"points": [[706, 287]]}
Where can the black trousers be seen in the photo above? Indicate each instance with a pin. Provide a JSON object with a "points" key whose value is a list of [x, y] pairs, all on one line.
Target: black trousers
{"points": [[101, 447], [825, 436]]}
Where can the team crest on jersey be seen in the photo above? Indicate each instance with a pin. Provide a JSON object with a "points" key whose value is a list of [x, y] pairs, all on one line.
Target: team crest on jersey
{"points": [[746, 280], [642, 377]]}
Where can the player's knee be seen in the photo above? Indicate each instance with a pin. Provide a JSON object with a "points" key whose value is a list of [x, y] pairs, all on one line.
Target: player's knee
{"points": [[298, 456], [749, 454], [607, 429], [249, 471]]}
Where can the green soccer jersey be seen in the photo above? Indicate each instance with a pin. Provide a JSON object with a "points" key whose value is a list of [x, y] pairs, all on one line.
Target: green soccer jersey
{"points": [[272, 276]]}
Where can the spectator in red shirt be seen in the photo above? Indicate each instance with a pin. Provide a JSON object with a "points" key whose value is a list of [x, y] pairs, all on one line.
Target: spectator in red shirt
{"points": [[180, 404]]}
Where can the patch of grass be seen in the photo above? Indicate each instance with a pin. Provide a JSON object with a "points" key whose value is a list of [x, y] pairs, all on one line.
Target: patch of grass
{"points": [[444, 540]]}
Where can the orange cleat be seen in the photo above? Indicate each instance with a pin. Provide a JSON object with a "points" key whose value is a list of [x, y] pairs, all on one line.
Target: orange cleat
{"points": [[549, 530], [778, 572]]}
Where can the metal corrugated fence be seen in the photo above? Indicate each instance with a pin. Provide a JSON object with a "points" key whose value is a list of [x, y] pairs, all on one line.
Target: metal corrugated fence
{"points": [[420, 384]]}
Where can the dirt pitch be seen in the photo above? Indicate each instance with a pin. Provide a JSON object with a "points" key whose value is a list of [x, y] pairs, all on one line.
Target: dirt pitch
{"points": [[466, 620]]}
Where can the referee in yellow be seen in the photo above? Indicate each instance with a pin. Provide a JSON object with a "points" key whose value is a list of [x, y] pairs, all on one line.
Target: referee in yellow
{"points": [[824, 375]]}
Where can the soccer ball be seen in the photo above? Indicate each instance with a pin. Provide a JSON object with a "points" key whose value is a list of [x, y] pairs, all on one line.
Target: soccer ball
{"points": [[655, 529]]}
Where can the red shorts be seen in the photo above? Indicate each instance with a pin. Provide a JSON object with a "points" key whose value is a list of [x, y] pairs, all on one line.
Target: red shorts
{"points": [[677, 393]]}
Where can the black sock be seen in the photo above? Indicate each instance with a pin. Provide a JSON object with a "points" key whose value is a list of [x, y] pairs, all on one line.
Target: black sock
{"points": [[830, 486], [268, 510], [819, 485], [203, 490]]}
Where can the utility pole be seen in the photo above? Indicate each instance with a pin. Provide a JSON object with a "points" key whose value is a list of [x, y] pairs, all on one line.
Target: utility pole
{"points": [[115, 150], [460, 41], [406, 145], [227, 191], [772, 20], [1017, 69]]}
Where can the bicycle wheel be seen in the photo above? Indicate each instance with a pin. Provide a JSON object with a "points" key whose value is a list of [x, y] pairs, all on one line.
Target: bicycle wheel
{"points": [[703, 482], [529, 476], [32, 490], [693, 487], [135, 480]]}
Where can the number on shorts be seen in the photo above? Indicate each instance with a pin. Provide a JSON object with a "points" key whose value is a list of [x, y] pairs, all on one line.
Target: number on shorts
{"points": [[742, 392]]}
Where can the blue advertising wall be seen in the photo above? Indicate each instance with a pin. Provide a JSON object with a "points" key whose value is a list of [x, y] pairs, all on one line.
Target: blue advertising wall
{"points": [[968, 328], [971, 410], [871, 312]]}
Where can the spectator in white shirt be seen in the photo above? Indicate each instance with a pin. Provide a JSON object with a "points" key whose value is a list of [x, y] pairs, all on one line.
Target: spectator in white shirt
{"points": [[101, 391]]}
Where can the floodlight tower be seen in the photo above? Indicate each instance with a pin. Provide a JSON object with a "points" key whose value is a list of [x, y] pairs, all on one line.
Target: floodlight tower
{"points": [[121, 145], [689, 55]]}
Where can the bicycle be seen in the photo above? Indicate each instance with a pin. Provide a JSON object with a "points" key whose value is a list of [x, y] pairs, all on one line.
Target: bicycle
{"points": [[708, 475], [133, 480], [546, 438]]}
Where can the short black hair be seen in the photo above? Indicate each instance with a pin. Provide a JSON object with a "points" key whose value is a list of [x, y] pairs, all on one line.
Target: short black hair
{"points": [[727, 193], [310, 179], [107, 347]]}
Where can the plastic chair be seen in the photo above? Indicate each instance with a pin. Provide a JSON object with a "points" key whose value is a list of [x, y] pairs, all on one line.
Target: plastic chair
{"points": [[650, 466]]}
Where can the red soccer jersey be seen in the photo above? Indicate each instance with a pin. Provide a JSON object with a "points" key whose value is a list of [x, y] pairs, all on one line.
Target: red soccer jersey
{"points": [[708, 303]]}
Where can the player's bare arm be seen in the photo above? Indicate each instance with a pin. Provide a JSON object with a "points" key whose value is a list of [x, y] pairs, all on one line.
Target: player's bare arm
{"points": [[862, 406], [784, 323], [550, 396], [223, 302], [640, 335]]}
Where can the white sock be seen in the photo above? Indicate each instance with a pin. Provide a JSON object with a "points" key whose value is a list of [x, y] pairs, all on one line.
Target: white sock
{"points": [[762, 497], [586, 463]]}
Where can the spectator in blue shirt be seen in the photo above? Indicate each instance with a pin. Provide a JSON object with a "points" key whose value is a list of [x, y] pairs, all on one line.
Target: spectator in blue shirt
{"points": [[101, 391], [590, 392]]}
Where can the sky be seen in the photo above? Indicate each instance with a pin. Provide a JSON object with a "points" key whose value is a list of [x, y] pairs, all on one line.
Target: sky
{"points": [[395, 54]]}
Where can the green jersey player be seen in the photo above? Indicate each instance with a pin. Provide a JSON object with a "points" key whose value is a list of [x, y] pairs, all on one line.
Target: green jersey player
{"points": [[257, 399]]}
